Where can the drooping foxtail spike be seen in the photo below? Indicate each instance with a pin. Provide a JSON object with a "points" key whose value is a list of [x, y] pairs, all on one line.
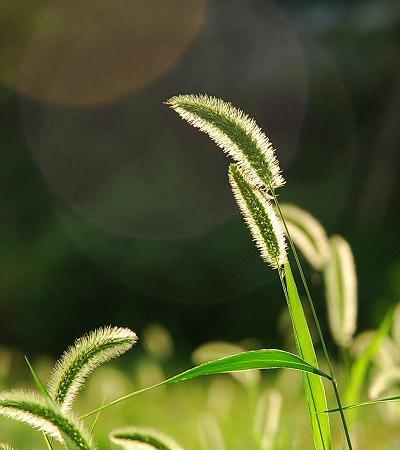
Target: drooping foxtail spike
{"points": [[34, 410], [260, 216], [79, 361], [143, 438], [5, 446], [307, 234], [236, 133], [341, 291]]}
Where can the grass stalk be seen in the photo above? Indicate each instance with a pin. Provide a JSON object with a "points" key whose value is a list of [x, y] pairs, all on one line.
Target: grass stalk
{"points": [[317, 323], [284, 288]]}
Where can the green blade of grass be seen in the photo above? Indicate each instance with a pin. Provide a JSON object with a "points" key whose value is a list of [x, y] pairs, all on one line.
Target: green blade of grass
{"points": [[40, 385], [96, 418], [256, 359], [314, 388], [42, 389], [360, 367], [393, 398]]}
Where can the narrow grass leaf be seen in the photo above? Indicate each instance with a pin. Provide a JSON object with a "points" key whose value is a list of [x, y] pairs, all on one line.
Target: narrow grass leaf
{"points": [[135, 438], [307, 234], [43, 390], [314, 388], [341, 291], [260, 216], [32, 409], [80, 360], [40, 385], [236, 133], [254, 359], [392, 398], [219, 349], [359, 369]]}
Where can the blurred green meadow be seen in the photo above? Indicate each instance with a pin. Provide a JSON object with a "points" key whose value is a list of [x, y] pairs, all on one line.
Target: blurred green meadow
{"points": [[253, 409]]}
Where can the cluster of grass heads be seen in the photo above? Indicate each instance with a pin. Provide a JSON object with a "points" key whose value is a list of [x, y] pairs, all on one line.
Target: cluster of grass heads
{"points": [[254, 177]]}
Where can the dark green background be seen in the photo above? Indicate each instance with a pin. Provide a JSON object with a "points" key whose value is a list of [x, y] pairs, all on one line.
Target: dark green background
{"points": [[163, 241]]}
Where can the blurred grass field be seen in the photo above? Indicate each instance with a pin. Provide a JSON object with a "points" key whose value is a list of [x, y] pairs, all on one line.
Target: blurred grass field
{"points": [[264, 411]]}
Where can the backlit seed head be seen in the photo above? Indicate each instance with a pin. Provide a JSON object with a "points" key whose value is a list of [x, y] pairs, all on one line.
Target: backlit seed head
{"points": [[5, 446], [135, 438], [260, 216], [81, 359], [235, 133], [307, 234], [341, 291], [32, 409]]}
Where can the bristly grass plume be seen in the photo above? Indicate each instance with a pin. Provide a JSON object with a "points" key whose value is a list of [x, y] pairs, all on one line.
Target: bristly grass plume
{"points": [[34, 410], [5, 446], [341, 291], [260, 217], [236, 133], [134, 438], [307, 234], [79, 361]]}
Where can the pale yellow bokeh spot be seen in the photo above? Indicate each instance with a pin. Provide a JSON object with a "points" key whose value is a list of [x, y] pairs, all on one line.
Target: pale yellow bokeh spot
{"points": [[92, 51]]}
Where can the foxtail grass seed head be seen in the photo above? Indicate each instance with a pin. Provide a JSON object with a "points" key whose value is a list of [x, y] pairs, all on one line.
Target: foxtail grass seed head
{"points": [[235, 133], [5, 446], [135, 438], [384, 383], [32, 409], [341, 291], [211, 437], [81, 359], [267, 418], [260, 216], [308, 235]]}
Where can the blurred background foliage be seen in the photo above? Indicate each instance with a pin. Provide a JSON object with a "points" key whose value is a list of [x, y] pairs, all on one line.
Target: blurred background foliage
{"points": [[114, 211]]}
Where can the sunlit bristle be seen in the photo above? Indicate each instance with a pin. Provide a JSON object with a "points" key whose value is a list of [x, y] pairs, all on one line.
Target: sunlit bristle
{"points": [[210, 434], [260, 217], [34, 410], [79, 361], [307, 234], [341, 291], [235, 133], [135, 438], [5, 446]]}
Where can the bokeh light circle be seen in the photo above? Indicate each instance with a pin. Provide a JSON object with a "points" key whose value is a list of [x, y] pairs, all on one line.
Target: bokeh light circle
{"points": [[92, 51]]}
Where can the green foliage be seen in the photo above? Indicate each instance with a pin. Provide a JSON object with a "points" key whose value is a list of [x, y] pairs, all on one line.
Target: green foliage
{"points": [[360, 367], [219, 349], [260, 217], [32, 409], [314, 388], [135, 438], [238, 136], [79, 361], [255, 359]]}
